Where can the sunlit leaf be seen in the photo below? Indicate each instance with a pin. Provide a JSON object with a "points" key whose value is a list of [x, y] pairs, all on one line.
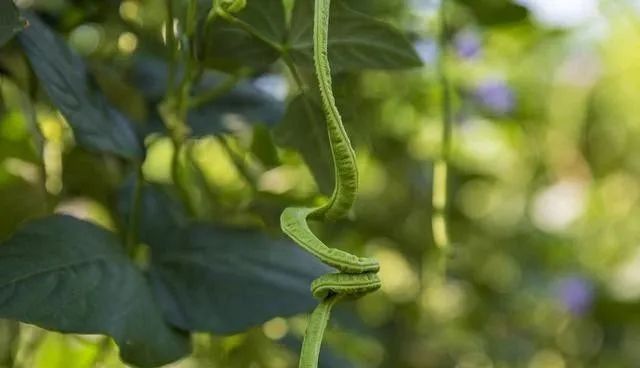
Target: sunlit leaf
{"points": [[71, 276]]}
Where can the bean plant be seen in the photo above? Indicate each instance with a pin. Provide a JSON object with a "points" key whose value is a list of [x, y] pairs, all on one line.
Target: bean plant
{"points": [[184, 257]]}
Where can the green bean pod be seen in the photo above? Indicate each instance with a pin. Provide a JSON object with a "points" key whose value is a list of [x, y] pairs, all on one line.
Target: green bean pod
{"points": [[356, 276]]}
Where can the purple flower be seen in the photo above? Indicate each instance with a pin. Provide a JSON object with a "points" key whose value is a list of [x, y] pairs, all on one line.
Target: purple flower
{"points": [[495, 95], [467, 44], [575, 293]]}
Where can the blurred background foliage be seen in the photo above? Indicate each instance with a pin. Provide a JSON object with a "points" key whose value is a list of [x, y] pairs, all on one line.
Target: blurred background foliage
{"points": [[545, 271]]}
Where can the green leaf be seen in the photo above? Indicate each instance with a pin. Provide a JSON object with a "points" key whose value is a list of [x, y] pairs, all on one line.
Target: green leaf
{"points": [[10, 21], [225, 280], [228, 46], [218, 279], [356, 41], [304, 129], [64, 76], [71, 276], [161, 216], [496, 12]]}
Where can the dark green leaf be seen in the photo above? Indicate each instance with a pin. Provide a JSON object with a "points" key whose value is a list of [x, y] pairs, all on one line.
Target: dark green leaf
{"points": [[67, 275], [63, 74], [495, 12], [304, 129], [161, 216], [356, 41], [228, 46], [226, 280], [10, 22]]}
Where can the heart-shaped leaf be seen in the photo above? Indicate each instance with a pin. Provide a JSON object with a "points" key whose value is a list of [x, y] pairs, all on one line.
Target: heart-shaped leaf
{"points": [[356, 41], [71, 276], [96, 125]]}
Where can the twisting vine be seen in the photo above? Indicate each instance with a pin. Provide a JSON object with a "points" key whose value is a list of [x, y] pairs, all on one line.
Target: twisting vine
{"points": [[357, 276], [441, 166]]}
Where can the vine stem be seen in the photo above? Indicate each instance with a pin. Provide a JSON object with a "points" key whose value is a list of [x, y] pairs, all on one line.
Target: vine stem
{"points": [[175, 107], [441, 166], [311, 345]]}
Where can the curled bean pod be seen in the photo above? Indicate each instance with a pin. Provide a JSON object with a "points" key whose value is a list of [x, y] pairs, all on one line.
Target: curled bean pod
{"points": [[356, 276]]}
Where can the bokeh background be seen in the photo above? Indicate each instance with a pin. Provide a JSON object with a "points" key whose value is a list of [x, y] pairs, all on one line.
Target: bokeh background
{"points": [[544, 194]]}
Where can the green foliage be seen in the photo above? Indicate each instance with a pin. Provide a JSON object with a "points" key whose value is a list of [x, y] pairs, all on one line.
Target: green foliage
{"points": [[10, 22], [247, 273], [219, 97], [356, 41], [170, 264], [259, 35], [68, 275], [96, 124], [145, 163]]}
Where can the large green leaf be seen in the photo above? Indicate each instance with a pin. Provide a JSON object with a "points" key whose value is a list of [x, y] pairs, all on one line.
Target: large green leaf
{"points": [[226, 280], [229, 46], [10, 22], [64, 76], [218, 279], [304, 129], [356, 41], [67, 275]]}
